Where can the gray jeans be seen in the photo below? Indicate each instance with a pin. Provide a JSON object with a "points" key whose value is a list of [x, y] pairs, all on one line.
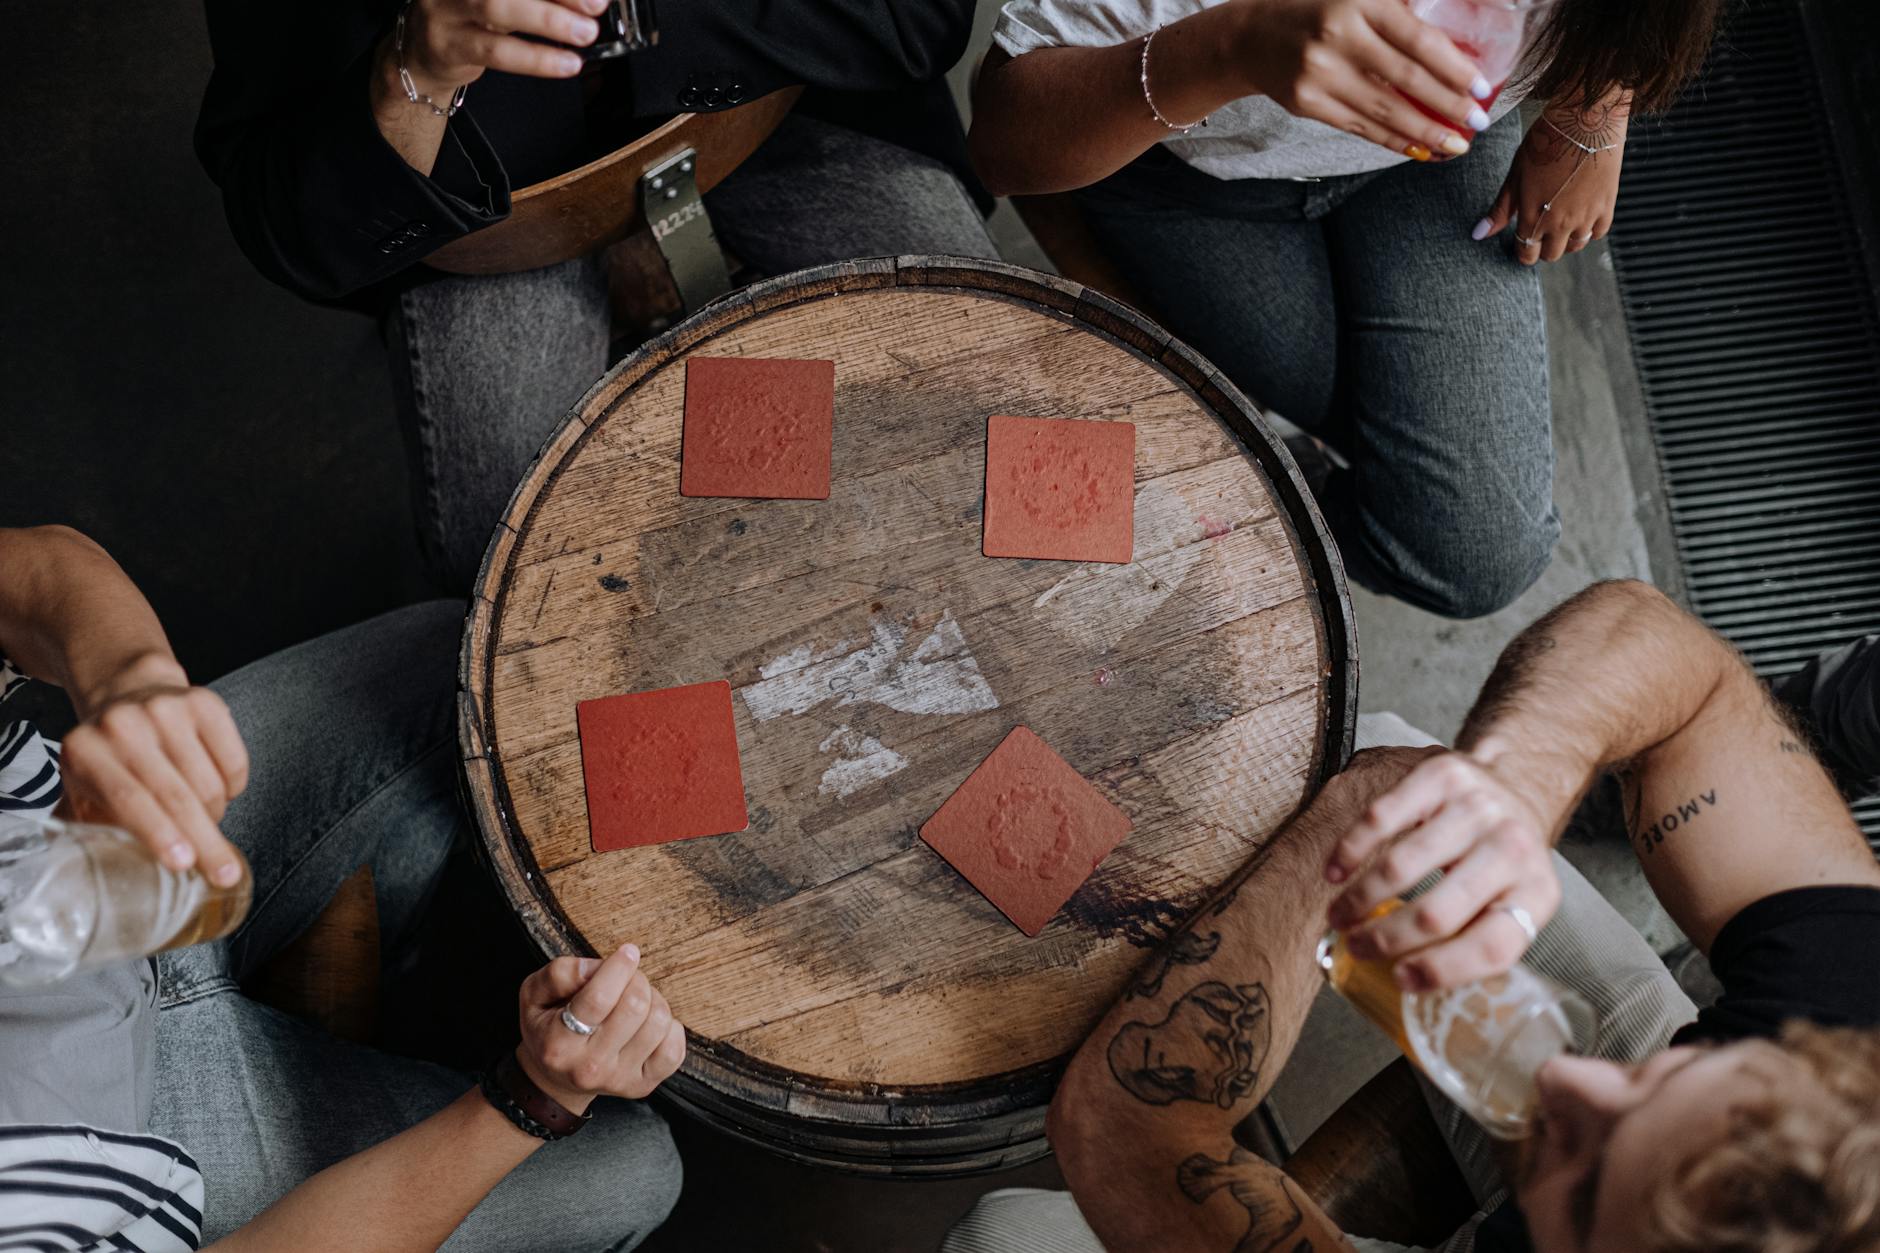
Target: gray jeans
{"points": [[1359, 308], [353, 748], [484, 368]]}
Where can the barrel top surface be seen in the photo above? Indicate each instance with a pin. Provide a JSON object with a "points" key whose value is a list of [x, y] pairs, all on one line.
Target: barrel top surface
{"points": [[876, 657]]}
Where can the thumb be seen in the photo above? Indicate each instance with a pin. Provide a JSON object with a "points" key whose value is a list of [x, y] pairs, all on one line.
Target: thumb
{"points": [[1498, 214]]}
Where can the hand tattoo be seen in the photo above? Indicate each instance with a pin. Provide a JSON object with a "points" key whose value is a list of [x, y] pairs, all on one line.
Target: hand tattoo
{"points": [[1687, 812], [1257, 1186], [1210, 1048]]}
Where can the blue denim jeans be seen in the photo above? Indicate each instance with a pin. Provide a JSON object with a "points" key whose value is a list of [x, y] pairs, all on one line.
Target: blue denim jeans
{"points": [[1359, 308], [484, 368], [353, 744]]}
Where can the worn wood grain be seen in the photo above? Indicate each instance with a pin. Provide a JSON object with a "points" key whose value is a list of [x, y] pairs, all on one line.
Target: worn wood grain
{"points": [[876, 657]]}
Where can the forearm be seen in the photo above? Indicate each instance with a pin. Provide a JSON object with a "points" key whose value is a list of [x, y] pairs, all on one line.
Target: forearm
{"points": [[1061, 118], [71, 616], [1604, 677], [1724, 805], [401, 1196], [1143, 1121]]}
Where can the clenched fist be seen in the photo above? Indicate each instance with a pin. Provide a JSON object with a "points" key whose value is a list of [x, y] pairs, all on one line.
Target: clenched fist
{"points": [[636, 1043]]}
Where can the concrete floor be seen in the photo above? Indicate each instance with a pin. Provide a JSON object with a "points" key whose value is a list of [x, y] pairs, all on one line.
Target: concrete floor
{"points": [[235, 449]]}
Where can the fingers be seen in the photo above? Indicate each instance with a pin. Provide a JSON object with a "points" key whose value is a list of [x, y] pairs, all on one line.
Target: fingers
{"points": [[1496, 220], [653, 1028], [1430, 49], [518, 56], [667, 1057], [1408, 130], [179, 741], [1485, 872], [1416, 797], [636, 1003], [604, 988], [216, 726], [1414, 80], [557, 982], [1490, 944], [541, 17], [1432, 846], [103, 789], [129, 764]]}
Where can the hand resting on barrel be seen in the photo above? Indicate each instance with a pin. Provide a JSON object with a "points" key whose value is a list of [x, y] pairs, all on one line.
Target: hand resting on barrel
{"points": [[636, 1043]]}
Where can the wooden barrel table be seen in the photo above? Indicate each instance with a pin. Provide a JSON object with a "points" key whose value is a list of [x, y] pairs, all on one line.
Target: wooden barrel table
{"points": [[850, 999]]}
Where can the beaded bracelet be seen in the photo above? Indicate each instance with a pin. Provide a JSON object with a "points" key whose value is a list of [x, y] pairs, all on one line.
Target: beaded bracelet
{"points": [[1150, 100]]}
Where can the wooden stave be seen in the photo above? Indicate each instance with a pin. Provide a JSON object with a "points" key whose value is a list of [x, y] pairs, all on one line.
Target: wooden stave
{"points": [[996, 1121]]}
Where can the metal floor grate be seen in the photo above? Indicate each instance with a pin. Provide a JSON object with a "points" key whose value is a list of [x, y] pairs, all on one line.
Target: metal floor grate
{"points": [[1758, 348]]}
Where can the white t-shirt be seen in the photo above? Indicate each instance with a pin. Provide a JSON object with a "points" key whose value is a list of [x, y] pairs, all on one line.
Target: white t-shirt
{"points": [[1249, 138]]}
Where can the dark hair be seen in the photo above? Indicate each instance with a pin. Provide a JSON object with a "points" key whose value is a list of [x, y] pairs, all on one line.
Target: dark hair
{"points": [[1652, 47]]}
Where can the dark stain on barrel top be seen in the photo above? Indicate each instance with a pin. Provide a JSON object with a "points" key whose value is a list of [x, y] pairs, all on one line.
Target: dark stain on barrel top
{"points": [[614, 583], [1110, 906]]}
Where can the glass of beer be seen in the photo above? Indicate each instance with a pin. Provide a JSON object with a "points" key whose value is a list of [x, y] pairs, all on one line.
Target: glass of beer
{"points": [[1481, 1044]]}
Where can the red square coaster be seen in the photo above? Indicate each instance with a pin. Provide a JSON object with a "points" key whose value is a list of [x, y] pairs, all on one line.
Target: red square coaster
{"points": [[758, 428], [661, 766], [1060, 488], [1026, 830]]}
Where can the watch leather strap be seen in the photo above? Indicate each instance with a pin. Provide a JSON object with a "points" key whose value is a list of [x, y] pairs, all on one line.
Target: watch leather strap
{"points": [[507, 1086]]}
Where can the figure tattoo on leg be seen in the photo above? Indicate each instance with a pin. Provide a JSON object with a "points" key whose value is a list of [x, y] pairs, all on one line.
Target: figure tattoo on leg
{"points": [[1209, 1048], [1257, 1186]]}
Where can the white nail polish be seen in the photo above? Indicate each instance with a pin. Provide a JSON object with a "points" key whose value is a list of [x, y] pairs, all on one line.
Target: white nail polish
{"points": [[1480, 88], [1482, 230]]}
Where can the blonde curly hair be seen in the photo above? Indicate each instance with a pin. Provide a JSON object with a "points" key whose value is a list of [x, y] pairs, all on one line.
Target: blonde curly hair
{"points": [[1792, 1175]]}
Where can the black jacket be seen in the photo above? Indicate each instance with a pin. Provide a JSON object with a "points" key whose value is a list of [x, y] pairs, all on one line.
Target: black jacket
{"points": [[322, 205]]}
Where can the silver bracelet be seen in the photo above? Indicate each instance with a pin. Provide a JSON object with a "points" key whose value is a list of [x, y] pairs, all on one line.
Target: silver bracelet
{"points": [[404, 75], [1588, 149], [1150, 100]]}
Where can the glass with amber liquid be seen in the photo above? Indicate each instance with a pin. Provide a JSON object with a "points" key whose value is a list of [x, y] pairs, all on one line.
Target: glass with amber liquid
{"points": [[82, 894], [1482, 1043]]}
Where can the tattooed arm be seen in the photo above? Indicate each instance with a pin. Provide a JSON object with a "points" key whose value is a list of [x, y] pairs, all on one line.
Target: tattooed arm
{"points": [[1725, 805], [1143, 1121]]}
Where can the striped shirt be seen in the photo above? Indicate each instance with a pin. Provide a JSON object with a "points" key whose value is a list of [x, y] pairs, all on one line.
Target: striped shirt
{"points": [[29, 763], [71, 1187]]}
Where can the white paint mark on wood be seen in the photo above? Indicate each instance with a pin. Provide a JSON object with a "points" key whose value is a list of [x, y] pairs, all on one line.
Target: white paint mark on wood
{"points": [[939, 675], [861, 760], [1098, 603]]}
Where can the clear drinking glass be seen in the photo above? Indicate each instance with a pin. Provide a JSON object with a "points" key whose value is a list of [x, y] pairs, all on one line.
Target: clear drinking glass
{"points": [[1481, 1043], [78, 894], [1495, 34]]}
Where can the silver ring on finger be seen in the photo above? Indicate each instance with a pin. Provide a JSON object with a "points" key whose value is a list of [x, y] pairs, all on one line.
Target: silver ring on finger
{"points": [[574, 1024], [1525, 242], [1522, 919]]}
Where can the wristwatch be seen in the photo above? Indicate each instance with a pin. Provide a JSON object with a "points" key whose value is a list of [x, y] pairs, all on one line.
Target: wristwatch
{"points": [[507, 1086]]}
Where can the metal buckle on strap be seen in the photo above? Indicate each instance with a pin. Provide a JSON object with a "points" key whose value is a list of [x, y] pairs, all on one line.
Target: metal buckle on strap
{"points": [[682, 230]]}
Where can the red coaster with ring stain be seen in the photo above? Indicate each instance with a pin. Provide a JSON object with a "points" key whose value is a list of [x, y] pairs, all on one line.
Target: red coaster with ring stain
{"points": [[1060, 488], [1026, 830], [661, 766], [757, 428]]}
